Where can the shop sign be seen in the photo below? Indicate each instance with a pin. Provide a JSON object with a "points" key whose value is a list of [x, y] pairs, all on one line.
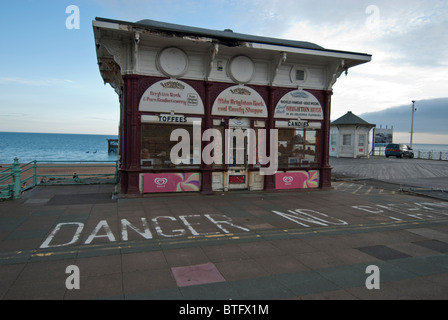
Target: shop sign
{"points": [[297, 179], [171, 182], [382, 136], [299, 104], [171, 96], [170, 118], [298, 123], [240, 101]]}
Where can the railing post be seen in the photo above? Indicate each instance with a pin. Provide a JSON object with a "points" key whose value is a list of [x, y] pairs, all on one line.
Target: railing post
{"points": [[116, 172], [35, 173], [16, 172]]}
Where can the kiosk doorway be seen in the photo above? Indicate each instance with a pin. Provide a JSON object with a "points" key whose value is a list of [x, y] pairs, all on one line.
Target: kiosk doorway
{"points": [[238, 143]]}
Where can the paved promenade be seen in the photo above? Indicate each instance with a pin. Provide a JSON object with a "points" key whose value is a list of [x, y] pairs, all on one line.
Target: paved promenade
{"points": [[240, 246], [420, 173]]}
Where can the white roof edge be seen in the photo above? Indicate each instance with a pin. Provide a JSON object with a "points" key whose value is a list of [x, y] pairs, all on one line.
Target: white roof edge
{"points": [[334, 54], [106, 25], [361, 57]]}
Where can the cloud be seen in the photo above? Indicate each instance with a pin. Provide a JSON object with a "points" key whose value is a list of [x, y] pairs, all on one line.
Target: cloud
{"points": [[407, 42], [417, 36], [430, 117], [39, 82], [14, 114]]}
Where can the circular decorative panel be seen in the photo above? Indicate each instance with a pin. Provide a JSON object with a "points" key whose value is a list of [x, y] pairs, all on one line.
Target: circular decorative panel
{"points": [[298, 74], [173, 62], [241, 69]]}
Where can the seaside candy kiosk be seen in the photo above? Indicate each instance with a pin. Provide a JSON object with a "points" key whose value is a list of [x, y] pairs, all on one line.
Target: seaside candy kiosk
{"points": [[205, 111]]}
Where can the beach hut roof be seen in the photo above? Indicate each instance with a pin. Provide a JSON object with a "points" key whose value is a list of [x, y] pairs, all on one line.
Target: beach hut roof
{"points": [[351, 119]]}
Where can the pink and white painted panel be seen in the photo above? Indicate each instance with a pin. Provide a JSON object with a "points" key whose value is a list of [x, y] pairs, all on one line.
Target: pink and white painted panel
{"points": [[171, 182], [297, 180]]}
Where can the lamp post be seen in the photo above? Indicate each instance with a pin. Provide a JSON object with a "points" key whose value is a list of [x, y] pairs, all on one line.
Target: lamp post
{"points": [[412, 123]]}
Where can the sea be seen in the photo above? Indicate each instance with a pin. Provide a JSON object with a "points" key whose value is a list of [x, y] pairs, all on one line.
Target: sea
{"points": [[44, 147], [430, 147], [425, 149]]}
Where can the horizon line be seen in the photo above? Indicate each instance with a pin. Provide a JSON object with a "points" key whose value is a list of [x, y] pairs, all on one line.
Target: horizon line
{"points": [[87, 134]]}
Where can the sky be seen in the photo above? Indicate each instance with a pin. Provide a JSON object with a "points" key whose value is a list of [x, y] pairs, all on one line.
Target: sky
{"points": [[50, 82], [430, 118]]}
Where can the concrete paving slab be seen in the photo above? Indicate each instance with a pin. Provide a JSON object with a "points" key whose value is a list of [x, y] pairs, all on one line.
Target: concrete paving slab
{"points": [[217, 291], [383, 252], [261, 289], [84, 198], [306, 282], [197, 274], [243, 269], [435, 245], [145, 280], [430, 233], [420, 266]]}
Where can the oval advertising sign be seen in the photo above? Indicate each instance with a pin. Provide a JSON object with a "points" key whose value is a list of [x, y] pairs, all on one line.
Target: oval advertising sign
{"points": [[299, 104], [171, 95], [240, 101]]}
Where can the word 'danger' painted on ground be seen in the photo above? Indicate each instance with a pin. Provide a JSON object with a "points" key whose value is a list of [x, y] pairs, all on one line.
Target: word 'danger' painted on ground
{"points": [[70, 233], [305, 217]]}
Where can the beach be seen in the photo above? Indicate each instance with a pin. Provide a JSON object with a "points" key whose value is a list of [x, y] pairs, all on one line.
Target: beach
{"points": [[63, 172]]}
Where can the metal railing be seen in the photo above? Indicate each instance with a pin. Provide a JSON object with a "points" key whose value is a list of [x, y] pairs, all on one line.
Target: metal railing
{"points": [[431, 155], [7, 183], [419, 154], [17, 178]]}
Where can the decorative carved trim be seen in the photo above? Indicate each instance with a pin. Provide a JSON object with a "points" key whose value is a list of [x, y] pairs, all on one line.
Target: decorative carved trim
{"points": [[173, 85], [242, 91]]}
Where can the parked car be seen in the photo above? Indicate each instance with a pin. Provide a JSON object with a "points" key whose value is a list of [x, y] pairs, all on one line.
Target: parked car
{"points": [[399, 150]]}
